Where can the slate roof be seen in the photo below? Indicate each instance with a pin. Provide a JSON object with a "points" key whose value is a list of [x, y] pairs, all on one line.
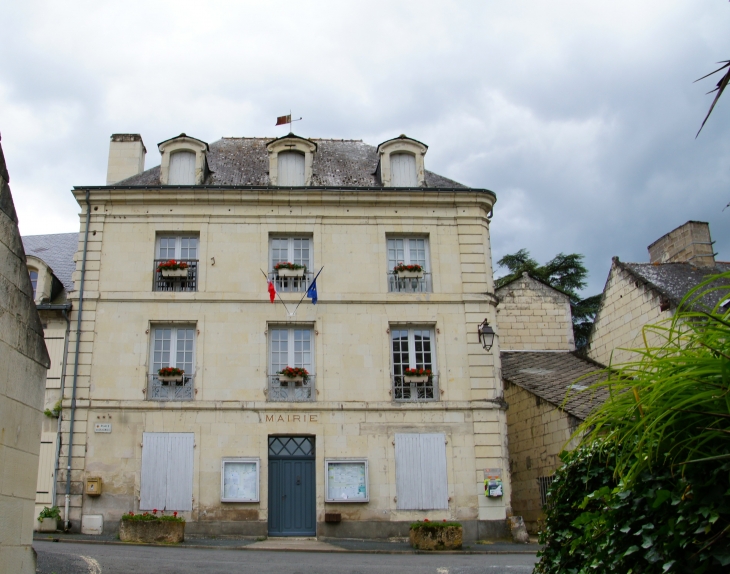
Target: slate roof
{"points": [[57, 251], [674, 280], [245, 161], [550, 376]]}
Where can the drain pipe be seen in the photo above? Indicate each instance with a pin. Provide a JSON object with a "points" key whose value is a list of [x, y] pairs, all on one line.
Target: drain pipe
{"points": [[67, 522], [57, 460]]}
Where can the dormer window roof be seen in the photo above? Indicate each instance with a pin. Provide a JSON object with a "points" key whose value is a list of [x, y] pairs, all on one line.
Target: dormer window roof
{"points": [[290, 161], [184, 161], [400, 162]]}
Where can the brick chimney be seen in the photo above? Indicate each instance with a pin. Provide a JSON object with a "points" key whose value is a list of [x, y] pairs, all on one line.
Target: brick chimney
{"points": [[126, 157], [689, 243]]}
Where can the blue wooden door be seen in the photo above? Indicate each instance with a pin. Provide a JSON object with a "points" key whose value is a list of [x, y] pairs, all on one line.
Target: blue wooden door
{"points": [[292, 488]]}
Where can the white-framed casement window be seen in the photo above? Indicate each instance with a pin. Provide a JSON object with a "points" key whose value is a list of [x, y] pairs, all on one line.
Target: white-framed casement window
{"points": [[413, 348], [182, 168], [408, 251], [291, 347], [293, 249], [179, 249], [172, 346], [290, 168], [403, 170]]}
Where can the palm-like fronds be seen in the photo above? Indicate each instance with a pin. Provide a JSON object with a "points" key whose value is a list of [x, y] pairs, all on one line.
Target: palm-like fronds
{"points": [[721, 85], [673, 403]]}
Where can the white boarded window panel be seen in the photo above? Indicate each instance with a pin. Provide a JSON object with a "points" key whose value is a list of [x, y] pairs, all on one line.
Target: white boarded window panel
{"points": [[167, 471], [290, 168], [55, 352], [403, 170], [44, 485], [182, 168], [420, 471]]}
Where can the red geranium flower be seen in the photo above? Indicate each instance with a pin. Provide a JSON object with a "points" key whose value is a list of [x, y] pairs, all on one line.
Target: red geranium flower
{"points": [[175, 514], [426, 520], [154, 511]]}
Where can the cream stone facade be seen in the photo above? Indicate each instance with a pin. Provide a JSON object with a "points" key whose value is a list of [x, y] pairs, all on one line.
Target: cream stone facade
{"points": [[360, 407], [23, 364]]}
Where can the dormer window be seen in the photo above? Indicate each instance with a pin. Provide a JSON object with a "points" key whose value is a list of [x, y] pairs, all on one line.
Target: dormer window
{"points": [[182, 168], [401, 162], [33, 281], [184, 161], [290, 161]]}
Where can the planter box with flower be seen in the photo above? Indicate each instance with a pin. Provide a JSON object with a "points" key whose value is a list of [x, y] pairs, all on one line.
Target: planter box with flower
{"points": [[286, 269], [293, 375], [146, 527], [48, 519], [428, 535], [408, 271], [173, 268], [170, 375], [417, 375]]}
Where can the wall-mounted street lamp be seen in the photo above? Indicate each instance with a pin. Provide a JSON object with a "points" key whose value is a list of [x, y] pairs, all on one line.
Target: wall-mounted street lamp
{"points": [[486, 335]]}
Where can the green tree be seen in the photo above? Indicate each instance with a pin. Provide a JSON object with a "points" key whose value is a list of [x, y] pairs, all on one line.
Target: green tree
{"points": [[567, 274]]}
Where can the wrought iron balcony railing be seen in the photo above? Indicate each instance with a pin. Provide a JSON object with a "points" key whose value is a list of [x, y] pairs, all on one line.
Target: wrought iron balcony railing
{"points": [[407, 391], [186, 282], [291, 284], [398, 284], [290, 391], [158, 390]]}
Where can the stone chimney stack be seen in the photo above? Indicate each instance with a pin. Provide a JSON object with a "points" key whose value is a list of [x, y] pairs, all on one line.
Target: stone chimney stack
{"points": [[689, 243], [126, 157]]}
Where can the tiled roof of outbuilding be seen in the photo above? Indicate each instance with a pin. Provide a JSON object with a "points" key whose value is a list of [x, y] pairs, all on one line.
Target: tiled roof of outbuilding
{"points": [[57, 251], [675, 280], [550, 376], [245, 161]]}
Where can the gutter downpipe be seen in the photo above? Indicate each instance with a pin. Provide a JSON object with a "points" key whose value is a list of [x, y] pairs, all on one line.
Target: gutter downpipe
{"points": [[60, 418], [67, 522]]}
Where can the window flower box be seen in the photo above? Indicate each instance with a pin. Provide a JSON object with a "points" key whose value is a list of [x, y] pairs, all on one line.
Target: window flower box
{"points": [[417, 375], [150, 528], [408, 271], [173, 268], [286, 269], [170, 375], [293, 375]]}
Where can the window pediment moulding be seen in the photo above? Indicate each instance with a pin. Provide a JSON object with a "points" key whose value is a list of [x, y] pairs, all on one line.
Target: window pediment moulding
{"points": [[289, 143], [183, 143], [401, 144]]}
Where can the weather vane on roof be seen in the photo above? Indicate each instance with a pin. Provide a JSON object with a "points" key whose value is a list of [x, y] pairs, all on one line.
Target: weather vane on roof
{"points": [[281, 120]]}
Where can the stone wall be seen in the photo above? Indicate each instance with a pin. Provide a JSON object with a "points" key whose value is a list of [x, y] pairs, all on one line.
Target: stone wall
{"points": [[690, 243], [538, 432], [533, 317], [23, 364]]}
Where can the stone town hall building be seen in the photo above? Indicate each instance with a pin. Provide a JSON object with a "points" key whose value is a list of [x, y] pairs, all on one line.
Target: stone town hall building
{"points": [[358, 449]]}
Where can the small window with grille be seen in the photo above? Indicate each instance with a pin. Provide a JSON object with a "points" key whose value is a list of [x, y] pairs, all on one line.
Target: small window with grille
{"points": [[172, 363], [176, 263], [408, 265], [544, 483]]}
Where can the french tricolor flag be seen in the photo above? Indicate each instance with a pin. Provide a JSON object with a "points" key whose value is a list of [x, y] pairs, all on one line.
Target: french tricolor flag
{"points": [[272, 290]]}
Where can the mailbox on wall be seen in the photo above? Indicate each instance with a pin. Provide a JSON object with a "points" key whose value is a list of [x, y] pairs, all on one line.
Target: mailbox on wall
{"points": [[93, 486]]}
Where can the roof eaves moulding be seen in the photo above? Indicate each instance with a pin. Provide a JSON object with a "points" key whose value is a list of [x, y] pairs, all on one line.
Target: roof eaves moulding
{"points": [[290, 142], [183, 142], [401, 144]]}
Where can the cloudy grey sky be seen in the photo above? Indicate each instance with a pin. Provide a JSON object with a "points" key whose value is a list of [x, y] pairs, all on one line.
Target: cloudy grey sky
{"points": [[581, 116]]}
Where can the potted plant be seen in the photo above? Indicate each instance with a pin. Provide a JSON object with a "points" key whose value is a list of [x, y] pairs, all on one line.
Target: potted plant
{"points": [[48, 519], [403, 271], [286, 269], [173, 268], [170, 375], [417, 375], [293, 375], [427, 535], [146, 527]]}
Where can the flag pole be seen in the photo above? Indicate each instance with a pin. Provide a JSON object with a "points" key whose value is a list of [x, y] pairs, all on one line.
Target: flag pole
{"points": [[305, 293], [277, 293]]}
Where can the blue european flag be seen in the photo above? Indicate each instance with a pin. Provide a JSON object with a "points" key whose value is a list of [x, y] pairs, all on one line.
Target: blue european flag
{"points": [[312, 292]]}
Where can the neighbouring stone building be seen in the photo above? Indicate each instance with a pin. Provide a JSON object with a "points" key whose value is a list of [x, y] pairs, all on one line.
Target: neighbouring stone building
{"points": [[546, 404], [360, 448], [23, 364], [638, 294]]}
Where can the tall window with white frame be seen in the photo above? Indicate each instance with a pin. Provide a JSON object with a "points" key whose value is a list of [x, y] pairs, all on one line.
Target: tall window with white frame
{"points": [[172, 363], [176, 264], [291, 351], [33, 281], [408, 265], [291, 263], [414, 364]]}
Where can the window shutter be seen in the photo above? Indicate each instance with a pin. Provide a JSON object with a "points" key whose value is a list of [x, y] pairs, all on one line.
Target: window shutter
{"points": [[44, 485], [420, 471], [403, 170], [167, 471], [290, 168], [182, 168]]}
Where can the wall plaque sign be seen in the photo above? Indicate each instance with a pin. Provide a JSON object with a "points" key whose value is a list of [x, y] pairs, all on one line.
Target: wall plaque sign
{"points": [[103, 427]]}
